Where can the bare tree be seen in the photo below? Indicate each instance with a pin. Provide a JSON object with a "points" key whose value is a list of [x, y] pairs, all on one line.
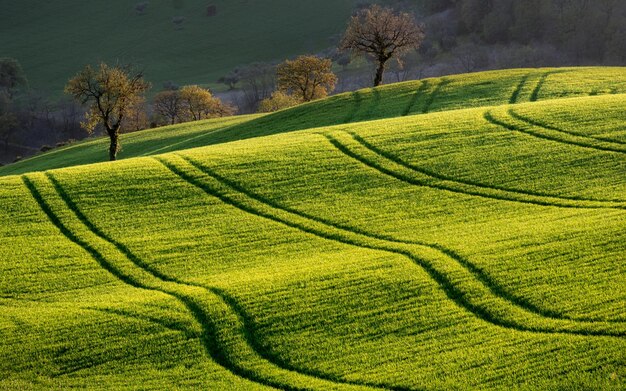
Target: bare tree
{"points": [[168, 105], [231, 78], [382, 34], [137, 117], [8, 120], [471, 57], [257, 81], [111, 93], [69, 113]]}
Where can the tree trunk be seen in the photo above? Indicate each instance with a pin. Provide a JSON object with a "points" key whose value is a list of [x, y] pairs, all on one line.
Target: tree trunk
{"points": [[114, 147], [379, 72]]}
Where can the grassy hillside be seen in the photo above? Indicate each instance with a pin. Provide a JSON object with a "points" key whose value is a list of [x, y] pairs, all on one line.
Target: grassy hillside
{"points": [[394, 100], [48, 37], [479, 248]]}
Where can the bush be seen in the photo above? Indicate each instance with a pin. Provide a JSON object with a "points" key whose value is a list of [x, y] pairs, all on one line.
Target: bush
{"points": [[278, 101]]}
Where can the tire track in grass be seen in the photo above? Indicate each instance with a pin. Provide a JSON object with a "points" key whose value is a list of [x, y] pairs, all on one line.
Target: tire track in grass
{"points": [[547, 134], [98, 232], [382, 160], [614, 145], [357, 98], [474, 296], [431, 98], [416, 95], [253, 340], [519, 88], [535, 94], [193, 297], [208, 335], [484, 277], [367, 116]]}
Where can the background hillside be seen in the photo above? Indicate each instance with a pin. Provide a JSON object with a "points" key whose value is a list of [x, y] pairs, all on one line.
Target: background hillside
{"points": [[179, 42], [54, 39]]}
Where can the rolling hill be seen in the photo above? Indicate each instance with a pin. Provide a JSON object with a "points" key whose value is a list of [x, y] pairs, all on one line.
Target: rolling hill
{"points": [[48, 37], [456, 233], [394, 100]]}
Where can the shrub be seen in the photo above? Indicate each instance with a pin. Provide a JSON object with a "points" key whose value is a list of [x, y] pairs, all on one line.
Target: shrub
{"points": [[278, 101]]}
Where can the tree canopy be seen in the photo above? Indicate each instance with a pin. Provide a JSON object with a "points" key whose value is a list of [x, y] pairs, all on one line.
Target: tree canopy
{"points": [[110, 92], [306, 78]]}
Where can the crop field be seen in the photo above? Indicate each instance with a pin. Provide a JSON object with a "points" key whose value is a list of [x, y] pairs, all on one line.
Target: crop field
{"points": [[457, 233], [391, 101]]}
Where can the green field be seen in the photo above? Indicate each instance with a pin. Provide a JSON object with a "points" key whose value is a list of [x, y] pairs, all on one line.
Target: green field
{"points": [[48, 37], [395, 100], [459, 233]]}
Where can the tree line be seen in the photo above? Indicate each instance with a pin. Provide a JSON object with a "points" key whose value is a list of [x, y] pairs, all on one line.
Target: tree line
{"points": [[470, 32], [112, 96], [580, 31]]}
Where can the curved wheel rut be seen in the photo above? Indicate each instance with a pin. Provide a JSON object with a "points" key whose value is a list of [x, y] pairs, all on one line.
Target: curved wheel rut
{"points": [[357, 98], [391, 166], [379, 158], [459, 283], [555, 136], [415, 98], [542, 80], [518, 89], [431, 98], [484, 277], [203, 303], [615, 145]]}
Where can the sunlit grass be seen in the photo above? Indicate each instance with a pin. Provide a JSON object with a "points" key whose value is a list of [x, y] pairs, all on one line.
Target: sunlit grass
{"points": [[479, 248]]}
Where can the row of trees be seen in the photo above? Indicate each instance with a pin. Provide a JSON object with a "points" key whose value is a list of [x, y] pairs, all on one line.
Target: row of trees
{"points": [[189, 103], [581, 30], [112, 97], [378, 33]]}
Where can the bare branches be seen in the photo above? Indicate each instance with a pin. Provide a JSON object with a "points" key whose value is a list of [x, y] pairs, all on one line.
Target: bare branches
{"points": [[382, 34], [167, 104]]}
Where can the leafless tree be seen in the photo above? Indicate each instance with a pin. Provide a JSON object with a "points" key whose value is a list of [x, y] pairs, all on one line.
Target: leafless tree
{"points": [[8, 120], [382, 34], [471, 57], [168, 105], [257, 82]]}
